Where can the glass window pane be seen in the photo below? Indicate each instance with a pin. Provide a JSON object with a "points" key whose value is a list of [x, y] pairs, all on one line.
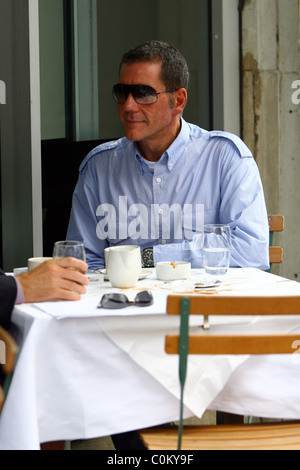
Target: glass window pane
{"points": [[52, 69]]}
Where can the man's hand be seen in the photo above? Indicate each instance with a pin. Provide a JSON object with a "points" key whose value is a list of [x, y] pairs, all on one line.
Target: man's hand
{"points": [[57, 279]]}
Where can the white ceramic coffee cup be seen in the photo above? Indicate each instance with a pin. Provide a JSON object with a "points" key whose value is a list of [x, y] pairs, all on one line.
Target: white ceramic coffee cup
{"points": [[34, 262], [106, 251], [123, 265]]}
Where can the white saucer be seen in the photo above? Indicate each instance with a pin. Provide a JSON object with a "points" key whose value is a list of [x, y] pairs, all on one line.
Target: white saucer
{"points": [[144, 273], [190, 285]]}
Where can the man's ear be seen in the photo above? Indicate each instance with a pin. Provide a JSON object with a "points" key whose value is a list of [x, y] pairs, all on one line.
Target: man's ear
{"points": [[180, 100]]}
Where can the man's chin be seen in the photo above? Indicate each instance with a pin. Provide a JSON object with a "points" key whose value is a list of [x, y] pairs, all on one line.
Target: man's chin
{"points": [[133, 136], [130, 137]]}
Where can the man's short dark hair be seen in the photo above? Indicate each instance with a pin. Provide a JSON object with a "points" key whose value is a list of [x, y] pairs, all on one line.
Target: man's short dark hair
{"points": [[174, 72]]}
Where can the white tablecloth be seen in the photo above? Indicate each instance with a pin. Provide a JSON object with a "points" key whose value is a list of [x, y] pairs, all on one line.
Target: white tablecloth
{"points": [[86, 374]]}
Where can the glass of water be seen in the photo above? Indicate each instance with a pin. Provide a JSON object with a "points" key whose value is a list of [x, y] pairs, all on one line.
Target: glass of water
{"points": [[216, 249]]}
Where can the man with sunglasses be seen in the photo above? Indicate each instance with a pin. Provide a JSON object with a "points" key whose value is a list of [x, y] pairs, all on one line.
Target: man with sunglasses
{"points": [[147, 187]]}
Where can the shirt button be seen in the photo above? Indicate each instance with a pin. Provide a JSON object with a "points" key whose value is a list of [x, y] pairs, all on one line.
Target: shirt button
{"points": [[170, 165], [158, 180], [160, 211], [163, 242]]}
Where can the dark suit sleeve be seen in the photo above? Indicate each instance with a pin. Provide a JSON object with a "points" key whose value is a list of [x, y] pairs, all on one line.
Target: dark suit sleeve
{"points": [[8, 293]]}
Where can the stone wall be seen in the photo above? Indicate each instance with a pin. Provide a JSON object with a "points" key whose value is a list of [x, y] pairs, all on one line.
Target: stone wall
{"points": [[271, 118]]}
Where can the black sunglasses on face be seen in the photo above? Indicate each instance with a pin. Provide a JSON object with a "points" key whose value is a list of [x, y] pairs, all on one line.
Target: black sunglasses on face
{"points": [[142, 94], [115, 300]]}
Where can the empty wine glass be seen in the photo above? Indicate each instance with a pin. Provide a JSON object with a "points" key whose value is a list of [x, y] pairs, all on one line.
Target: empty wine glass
{"points": [[66, 249]]}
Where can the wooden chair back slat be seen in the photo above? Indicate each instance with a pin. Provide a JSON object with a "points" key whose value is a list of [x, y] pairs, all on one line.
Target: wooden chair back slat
{"points": [[239, 305], [275, 254], [242, 344], [276, 222]]}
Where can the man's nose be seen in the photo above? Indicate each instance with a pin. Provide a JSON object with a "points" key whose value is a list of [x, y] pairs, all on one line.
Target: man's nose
{"points": [[130, 102]]}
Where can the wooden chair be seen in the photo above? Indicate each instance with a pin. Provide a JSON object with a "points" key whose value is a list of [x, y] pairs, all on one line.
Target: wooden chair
{"points": [[231, 437], [8, 354], [276, 224]]}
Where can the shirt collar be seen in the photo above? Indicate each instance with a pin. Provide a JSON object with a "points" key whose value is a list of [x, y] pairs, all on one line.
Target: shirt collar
{"points": [[173, 153], [176, 149]]}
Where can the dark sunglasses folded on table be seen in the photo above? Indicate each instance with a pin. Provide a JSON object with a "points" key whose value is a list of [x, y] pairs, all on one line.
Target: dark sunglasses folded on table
{"points": [[115, 300], [142, 94]]}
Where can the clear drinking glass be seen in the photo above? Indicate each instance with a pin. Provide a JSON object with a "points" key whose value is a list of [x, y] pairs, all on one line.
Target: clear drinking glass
{"points": [[216, 249], [66, 249]]}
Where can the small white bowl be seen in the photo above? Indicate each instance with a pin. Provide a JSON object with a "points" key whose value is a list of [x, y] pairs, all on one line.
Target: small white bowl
{"points": [[166, 271]]}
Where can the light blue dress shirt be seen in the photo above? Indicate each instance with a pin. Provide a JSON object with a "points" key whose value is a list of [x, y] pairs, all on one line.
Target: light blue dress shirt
{"points": [[203, 177]]}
